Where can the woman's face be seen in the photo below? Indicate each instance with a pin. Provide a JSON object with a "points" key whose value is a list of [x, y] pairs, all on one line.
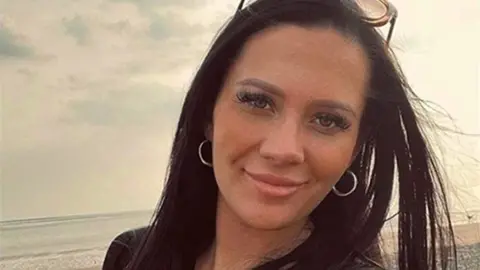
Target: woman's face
{"points": [[286, 122]]}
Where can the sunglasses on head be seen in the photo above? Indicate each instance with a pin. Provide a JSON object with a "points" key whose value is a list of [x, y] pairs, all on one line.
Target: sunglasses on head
{"points": [[377, 13]]}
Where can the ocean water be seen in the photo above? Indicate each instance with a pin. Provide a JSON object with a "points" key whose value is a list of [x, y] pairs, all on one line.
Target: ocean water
{"points": [[77, 242], [80, 242]]}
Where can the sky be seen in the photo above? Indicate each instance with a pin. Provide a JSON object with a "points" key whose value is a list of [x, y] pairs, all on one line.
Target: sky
{"points": [[91, 91]]}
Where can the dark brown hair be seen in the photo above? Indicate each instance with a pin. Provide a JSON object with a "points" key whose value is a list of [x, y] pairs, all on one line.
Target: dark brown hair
{"points": [[393, 150]]}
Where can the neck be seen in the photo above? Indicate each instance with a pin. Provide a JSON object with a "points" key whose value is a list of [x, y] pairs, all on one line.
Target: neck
{"points": [[239, 246]]}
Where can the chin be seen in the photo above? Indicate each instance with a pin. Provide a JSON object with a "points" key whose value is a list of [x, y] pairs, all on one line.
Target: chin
{"points": [[268, 225], [266, 218]]}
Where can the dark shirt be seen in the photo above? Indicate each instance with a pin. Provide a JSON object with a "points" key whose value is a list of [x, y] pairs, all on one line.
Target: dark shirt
{"points": [[122, 247]]}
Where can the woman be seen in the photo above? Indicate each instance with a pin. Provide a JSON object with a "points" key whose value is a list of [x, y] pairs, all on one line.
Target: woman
{"points": [[291, 138]]}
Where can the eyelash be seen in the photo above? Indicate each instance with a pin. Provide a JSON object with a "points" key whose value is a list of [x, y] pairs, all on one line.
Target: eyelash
{"points": [[340, 121], [251, 99]]}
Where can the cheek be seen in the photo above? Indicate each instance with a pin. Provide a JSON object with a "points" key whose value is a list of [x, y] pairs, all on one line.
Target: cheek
{"points": [[233, 137], [329, 161]]}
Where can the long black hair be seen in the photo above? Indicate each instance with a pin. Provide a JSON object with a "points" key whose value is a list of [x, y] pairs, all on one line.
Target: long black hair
{"points": [[392, 149]]}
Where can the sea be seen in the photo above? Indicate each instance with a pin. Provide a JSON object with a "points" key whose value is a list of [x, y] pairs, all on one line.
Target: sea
{"points": [[80, 242], [72, 242]]}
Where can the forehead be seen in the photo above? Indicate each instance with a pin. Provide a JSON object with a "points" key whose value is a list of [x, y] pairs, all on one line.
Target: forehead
{"points": [[313, 59]]}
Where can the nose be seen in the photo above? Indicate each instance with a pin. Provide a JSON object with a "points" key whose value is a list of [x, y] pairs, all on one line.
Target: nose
{"points": [[282, 144]]}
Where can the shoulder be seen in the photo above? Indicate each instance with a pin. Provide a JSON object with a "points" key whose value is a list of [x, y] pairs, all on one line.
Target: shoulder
{"points": [[121, 249]]}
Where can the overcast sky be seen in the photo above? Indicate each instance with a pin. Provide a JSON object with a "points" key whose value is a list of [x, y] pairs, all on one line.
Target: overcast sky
{"points": [[91, 90]]}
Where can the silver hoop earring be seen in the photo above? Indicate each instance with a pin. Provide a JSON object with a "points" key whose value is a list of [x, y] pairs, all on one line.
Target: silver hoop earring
{"points": [[201, 156], [355, 183]]}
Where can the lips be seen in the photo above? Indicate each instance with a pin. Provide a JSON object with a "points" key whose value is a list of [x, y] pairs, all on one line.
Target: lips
{"points": [[274, 186]]}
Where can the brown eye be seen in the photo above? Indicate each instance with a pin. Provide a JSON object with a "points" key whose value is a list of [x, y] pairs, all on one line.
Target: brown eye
{"points": [[255, 100], [259, 103], [326, 121], [331, 121]]}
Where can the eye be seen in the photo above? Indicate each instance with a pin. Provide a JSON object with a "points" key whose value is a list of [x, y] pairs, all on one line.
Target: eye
{"points": [[331, 121], [326, 121], [255, 100]]}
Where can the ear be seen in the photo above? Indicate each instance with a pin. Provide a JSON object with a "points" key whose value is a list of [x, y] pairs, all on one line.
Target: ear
{"points": [[209, 131]]}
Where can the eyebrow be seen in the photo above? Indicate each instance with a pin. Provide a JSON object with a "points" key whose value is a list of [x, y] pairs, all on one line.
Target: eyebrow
{"points": [[271, 88], [275, 90]]}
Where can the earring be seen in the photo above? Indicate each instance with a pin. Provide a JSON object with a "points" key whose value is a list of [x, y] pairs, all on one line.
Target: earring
{"points": [[209, 164], [355, 183]]}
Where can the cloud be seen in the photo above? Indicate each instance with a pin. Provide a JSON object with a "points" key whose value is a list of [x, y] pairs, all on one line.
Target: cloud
{"points": [[12, 45], [120, 26], [160, 29], [28, 73], [145, 4], [169, 25], [167, 19], [132, 106], [77, 28], [55, 179]]}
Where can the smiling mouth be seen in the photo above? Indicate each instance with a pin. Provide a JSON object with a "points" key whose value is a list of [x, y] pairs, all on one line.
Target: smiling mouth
{"points": [[273, 186]]}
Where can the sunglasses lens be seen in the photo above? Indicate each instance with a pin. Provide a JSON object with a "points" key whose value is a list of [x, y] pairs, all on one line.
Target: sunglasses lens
{"points": [[373, 9]]}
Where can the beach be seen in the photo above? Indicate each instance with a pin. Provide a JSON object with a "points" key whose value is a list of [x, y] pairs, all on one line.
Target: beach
{"points": [[467, 238], [80, 243], [63, 243], [73, 261]]}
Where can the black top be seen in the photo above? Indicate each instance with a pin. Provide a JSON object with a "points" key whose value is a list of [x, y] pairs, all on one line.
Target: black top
{"points": [[121, 249]]}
